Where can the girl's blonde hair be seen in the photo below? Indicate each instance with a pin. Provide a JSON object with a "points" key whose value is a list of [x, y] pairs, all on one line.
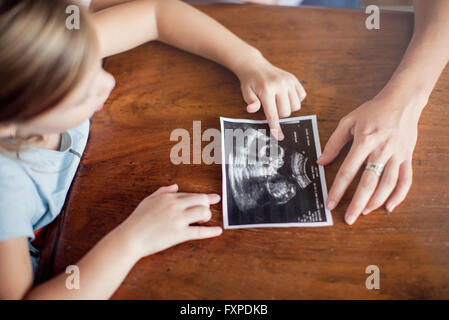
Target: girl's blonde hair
{"points": [[41, 60]]}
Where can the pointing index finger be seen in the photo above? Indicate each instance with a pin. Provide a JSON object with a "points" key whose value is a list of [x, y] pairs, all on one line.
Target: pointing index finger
{"points": [[269, 107]]}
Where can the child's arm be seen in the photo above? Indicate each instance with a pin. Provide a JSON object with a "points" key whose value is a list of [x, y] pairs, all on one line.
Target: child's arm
{"points": [[97, 5], [130, 24], [16, 273], [101, 271], [160, 221]]}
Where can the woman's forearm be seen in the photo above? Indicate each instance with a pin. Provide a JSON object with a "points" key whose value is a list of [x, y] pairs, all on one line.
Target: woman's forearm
{"points": [[427, 53], [101, 271]]}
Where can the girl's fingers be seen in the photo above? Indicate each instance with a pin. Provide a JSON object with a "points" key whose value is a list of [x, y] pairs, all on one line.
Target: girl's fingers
{"points": [[214, 198], [283, 105], [351, 165], [403, 186], [251, 99], [198, 199], [365, 189], [269, 107], [193, 199], [341, 136], [200, 232], [168, 189], [197, 214], [295, 103], [385, 188], [253, 106]]}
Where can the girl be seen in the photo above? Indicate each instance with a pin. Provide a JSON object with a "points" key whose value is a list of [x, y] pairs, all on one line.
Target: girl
{"points": [[53, 82]]}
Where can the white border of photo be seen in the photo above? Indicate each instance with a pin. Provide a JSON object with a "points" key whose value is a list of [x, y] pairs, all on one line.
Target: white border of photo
{"points": [[329, 220]]}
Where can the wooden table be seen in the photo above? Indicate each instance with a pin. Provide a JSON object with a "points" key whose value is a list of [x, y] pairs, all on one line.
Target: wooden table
{"points": [[159, 89]]}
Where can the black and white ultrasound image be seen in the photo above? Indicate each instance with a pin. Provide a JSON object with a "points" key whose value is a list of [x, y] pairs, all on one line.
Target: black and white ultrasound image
{"points": [[283, 188]]}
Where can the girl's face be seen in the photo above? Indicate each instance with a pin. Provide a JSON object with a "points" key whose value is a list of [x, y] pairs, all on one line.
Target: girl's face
{"points": [[76, 108]]}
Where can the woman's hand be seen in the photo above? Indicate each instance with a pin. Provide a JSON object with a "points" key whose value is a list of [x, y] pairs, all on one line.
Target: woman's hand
{"points": [[384, 132], [164, 219], [277, 91]]}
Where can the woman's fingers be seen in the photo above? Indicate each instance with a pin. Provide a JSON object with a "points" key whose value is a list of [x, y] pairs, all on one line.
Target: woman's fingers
{"points": [[271, 113], [365, 188], [351, 165], [403, 186], [385, 187], [341, 136], [168, 189], [197, 214]]}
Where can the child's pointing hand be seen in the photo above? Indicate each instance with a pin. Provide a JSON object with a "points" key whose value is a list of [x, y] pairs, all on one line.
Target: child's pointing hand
{"points": [[278, 92]]}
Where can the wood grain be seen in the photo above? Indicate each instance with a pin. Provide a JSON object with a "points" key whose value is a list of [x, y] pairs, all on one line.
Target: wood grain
{"points": [[160, 88]]}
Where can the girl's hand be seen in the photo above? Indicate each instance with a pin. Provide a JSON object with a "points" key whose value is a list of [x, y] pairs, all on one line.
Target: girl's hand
{"points": [[385, 132], [164, 219], [277, 91]]}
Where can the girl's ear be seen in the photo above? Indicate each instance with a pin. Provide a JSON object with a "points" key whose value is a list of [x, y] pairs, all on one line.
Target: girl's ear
{"points": [[7, 130]]}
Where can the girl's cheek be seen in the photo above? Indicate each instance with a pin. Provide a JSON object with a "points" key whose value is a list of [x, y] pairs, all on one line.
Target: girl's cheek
{"points": [[108, 84], [111, 83]]}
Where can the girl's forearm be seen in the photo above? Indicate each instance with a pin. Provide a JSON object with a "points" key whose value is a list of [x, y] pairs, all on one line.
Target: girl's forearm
{"points": [[97, 5], [101, 271], [427, 53], [131, 24], [189, 29]]}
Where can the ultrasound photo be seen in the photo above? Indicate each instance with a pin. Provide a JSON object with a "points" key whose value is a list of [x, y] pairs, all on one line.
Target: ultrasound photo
{"points": [[270, 183]]}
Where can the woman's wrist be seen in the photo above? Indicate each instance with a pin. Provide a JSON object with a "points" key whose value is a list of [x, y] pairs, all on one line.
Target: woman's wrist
{"points": [[404, 97]]}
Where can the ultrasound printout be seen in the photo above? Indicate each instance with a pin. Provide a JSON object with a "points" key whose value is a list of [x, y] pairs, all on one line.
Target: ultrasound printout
{"points": [[269, 183]]}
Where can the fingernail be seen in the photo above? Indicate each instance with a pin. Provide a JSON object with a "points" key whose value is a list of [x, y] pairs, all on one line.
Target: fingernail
{"points": [[331, 204], [390, 208], [215, 197], [366, 211], [280, 135], [350, 219], [219, 231]]}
